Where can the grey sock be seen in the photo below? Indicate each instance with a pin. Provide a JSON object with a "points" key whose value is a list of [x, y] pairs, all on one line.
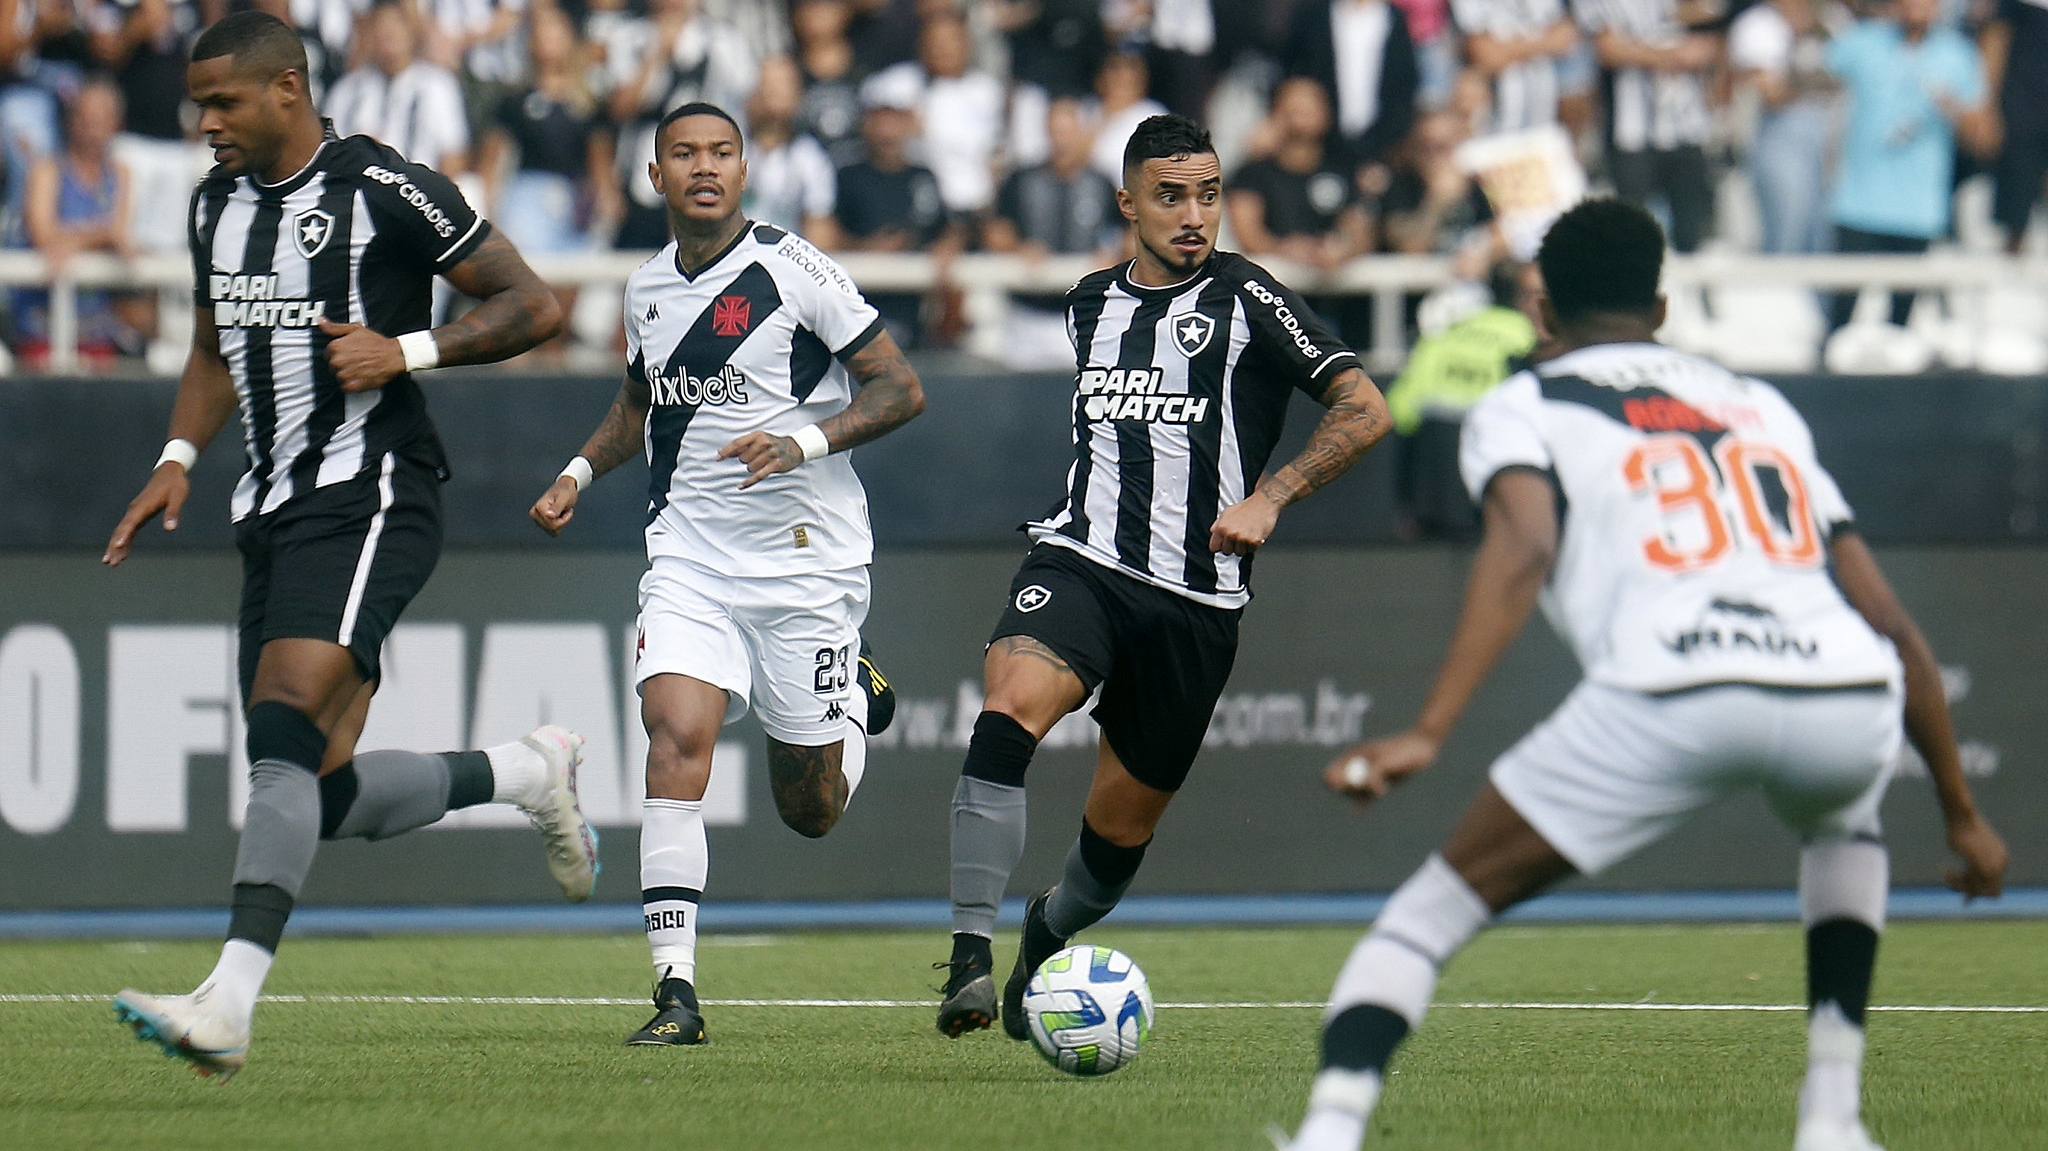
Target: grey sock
{"points": [[988, 840], [282, 828], [396, 791], [1097, 875]]}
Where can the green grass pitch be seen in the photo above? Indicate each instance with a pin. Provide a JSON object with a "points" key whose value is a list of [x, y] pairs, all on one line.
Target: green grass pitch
{"points": [[459, 1075]]}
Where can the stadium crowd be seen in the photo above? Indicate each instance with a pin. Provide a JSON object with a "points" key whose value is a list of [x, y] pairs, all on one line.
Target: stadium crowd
{"points": [[1348, 127]]}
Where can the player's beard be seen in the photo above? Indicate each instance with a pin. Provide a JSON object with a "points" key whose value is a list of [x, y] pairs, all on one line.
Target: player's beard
{"points": [[1178, 262]]}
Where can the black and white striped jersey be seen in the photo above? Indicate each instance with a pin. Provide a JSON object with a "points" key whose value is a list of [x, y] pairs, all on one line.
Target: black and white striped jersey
{"points": [[357, 236], [1525, 93], [1180, 393]]}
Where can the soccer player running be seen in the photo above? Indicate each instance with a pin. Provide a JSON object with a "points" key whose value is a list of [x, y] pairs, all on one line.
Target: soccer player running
{"points": [[309, 254], [1735, 632], [755, 365], [1186, 358]]}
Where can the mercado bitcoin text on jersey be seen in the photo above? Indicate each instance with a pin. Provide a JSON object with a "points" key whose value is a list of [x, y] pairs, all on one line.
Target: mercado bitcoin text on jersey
{"points": [[1696, 518], [1180, 393], [356, 236], [755, 340]]}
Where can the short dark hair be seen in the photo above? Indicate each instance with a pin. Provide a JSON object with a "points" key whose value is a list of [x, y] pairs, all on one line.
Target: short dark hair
{"points": [[697, 108], [1602, 256], [1167, 137], [261, 44]]}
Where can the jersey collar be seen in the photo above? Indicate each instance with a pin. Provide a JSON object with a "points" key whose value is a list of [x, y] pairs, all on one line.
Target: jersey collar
{"points": [[746, 229], [297, 180], [1132, 286]]}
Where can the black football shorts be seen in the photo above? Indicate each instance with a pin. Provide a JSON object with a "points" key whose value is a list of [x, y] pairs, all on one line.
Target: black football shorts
{"points": [[339, 563], [1160, 658]]}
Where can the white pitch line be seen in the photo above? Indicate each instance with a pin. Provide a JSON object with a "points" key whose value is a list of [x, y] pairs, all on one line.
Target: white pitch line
{"points": [[1221, 1005]]}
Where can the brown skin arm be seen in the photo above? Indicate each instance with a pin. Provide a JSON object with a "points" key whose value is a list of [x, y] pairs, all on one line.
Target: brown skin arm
{"points": [[205, 403], [615, 441], [1928, 723], [1357, 419], [1514, 561], [889, 397], [516, 313]]}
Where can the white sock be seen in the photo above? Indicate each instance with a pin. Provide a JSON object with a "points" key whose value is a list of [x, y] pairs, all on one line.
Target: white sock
{"points": [[1833, 1091], [1338, 1107], [519, 774], [674, 861], [853, 750], [237, 979]]}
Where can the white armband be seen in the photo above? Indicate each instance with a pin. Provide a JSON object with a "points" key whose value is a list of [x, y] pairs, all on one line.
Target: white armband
{"points": [[812, 440], [420, 350], [179, 452], [579, 470]]}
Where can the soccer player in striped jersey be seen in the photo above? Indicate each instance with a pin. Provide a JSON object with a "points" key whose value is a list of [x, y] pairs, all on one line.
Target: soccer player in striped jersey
{"points": [[314, 260], [1185, 359], [1735, 632], [755, 365]]}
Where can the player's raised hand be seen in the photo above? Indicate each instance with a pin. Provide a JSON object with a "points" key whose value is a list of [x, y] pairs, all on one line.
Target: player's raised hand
{"points": [[1371, 769], [764, 454], [1245, 526], [165, 492], [362, 359], [556, 506], [1982, 875]]}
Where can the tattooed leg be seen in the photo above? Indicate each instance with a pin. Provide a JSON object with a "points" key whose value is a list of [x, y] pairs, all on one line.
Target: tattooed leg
{"points": [[810, 790]]}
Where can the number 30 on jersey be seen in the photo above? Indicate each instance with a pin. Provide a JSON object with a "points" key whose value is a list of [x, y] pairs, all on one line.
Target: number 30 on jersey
{"points": [[1756, 493]]}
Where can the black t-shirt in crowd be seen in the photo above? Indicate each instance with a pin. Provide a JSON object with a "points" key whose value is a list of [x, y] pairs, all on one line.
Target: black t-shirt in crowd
{"points": [[1406, 192], [831, 113], [1297, 203], [1069, 217], [552, 136], [872, 201]]}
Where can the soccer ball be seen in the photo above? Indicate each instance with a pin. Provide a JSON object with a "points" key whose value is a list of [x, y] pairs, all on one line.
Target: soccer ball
{"points": [[1089, 1009]]}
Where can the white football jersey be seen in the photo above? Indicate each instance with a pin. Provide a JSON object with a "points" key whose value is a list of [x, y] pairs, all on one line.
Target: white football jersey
{"points": [[1695, 526], [755, 341]]}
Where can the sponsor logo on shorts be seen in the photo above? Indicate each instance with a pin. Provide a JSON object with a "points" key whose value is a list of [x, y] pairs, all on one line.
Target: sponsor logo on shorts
{"points": [[1032, 598]]}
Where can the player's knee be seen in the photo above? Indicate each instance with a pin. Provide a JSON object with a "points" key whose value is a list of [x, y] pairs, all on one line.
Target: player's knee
{"points": [[810, 789], [278, 731], [811, 819], [678, 761]]}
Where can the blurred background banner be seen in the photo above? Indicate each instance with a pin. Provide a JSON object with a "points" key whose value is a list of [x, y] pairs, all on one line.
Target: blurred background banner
{"points": [[120, 736]]}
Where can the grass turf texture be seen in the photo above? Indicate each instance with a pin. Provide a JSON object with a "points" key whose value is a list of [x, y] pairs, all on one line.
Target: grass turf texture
{"points": [[460, 1076]]}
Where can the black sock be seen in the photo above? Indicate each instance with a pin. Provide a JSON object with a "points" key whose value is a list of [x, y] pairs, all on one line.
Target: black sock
{"points": [[1840, 955], [470, 781], [259, 913], [999, 751], [338, 791], [973, 951], [1363, 1038], [1111, 865]]}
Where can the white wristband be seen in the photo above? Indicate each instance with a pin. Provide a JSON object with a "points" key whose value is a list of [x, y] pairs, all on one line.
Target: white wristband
{"points": [[580, 471], [420, 350], [179, 452], [812, 440]]}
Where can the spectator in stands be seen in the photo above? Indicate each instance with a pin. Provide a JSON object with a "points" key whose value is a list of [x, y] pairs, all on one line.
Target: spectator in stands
{"points": [[1056, 50], [1061, 207], [477, 41], [764, 24], [1658, 116], [790, 180], [960, 112], [327, 27], [1122, 106], [686, 56], [78, 201], [41, 55], [831, 100], [1361, 52], [1519, 48], [1779, 47], [1431, 204], [615, 34], [2016, 50], [888, 204], [1178, 40], [412, 104], [144, 44], [1437, 49], [1916, 88], [883, 34], [1297, 203], [560, 191]]}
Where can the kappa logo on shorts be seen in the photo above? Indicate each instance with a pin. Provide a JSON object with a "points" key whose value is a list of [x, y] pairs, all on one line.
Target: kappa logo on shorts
{"points": [[1033, 598], [834, 711]]}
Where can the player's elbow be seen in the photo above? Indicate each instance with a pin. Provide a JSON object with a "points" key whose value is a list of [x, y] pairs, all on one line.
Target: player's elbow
{"points": [[545, 317], [913, 399]]}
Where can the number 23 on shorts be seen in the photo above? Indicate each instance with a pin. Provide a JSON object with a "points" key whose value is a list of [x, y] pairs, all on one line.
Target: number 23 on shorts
{"points": [[1676, 469]]}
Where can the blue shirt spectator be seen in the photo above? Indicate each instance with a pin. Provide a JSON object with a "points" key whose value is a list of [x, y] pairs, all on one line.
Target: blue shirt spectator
{"points": [[1898, 154]]}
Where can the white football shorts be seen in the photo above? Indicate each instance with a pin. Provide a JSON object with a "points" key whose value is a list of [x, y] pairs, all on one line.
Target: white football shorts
{"points": [[786, 645], [1612, 771]]}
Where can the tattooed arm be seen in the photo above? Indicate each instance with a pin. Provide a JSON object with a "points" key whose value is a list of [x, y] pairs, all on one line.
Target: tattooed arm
{"points": [[615, 441], [516, 312], [889, 397], [1356, 421]]}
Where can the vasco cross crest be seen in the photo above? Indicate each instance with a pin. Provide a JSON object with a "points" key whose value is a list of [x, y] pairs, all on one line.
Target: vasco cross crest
{"points": [[311, 229], [1191, 333]]}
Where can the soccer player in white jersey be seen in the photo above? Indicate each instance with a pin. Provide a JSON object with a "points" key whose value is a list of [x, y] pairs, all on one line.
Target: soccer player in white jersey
{"points": [[1735, 632], [755, 365]]}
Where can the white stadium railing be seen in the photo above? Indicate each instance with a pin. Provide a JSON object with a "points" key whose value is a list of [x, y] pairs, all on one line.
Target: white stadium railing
{"points": [[988, 281]]}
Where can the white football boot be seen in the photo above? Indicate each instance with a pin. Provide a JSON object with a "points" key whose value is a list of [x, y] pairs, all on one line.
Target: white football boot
{"points": [[1822, 1135], [188, 1027], [571, 841]]}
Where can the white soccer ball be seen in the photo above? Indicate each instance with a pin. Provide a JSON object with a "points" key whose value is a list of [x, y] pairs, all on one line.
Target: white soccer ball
{"points": [[1089, 1009]]}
